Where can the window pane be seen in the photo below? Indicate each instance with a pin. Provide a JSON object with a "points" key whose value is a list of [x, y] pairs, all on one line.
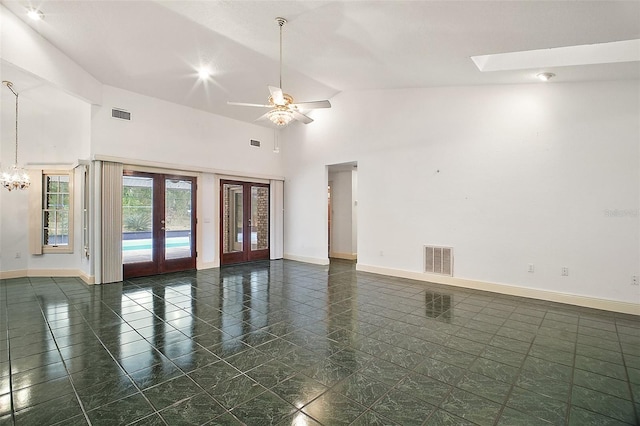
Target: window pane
{"points": [[52, 201], [63, 186], [52, 184], [177, 219], [259, 218], [137, 219], [56, 210], [232, 238]]}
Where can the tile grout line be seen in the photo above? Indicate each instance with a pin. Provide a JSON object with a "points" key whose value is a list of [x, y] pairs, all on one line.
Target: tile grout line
{"points": [[8, 336], [520, 369], [114, 360], [597, 373], [567, 415], [75, 391], [227, 411], [626, 372]]}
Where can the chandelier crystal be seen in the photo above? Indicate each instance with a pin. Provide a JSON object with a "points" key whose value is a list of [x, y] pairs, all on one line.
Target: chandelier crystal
{"points": [[14, 177], [280, 115]]}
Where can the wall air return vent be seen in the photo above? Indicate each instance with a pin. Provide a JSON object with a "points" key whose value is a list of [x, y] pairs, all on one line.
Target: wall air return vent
{"points": [[120, 114], [438, 260]]}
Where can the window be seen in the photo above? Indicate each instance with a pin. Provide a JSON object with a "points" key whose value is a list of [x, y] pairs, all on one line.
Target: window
{"points": [[57, 212]]}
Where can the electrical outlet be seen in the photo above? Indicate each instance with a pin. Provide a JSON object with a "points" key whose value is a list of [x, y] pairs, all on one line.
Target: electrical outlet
{"points": [[531, 268], [565, 271], [634, 280], [18, 255]]}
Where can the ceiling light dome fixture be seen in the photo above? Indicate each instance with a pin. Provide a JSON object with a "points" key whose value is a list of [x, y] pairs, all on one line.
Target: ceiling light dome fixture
{"points": [[545, 76], [14, 177]]}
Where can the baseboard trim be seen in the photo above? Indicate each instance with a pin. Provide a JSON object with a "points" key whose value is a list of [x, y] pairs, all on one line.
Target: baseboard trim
{"points": [[512, 290], [55, 273], [88, 279], [16, 273], [305, 259], [346, 256]]}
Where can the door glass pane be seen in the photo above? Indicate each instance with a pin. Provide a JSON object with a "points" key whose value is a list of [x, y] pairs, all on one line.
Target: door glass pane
{"points": [[177, 216], [137, 214], [259, 218], [232, 218]]}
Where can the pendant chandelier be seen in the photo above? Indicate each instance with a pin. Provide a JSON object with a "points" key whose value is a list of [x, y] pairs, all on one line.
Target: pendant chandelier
{"points": [[14, 177]]}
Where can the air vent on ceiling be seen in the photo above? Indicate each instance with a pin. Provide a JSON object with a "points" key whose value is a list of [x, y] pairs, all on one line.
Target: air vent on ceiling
{"points": [[438, 260], [255, 143], [120, 114]]}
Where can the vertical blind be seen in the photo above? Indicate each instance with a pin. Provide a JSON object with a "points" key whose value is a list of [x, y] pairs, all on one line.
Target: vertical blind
{"points": [[111, 222], [35, 212]]}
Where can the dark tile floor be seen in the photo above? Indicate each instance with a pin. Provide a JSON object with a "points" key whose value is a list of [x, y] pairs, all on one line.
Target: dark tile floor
{"points": [[290, 343]]}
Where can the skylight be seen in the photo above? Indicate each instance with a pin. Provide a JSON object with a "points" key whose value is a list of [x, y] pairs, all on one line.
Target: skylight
{"points": [[587, 54]]}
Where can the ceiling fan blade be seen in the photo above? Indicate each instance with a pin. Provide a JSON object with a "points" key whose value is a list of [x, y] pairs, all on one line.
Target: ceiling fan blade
{"points": [[263, 117], [301, 117], [312, 105], [276, 95], [250, 105]]}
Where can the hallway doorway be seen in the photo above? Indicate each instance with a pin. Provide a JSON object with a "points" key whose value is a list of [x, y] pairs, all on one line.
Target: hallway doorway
{"points": [[342, 218]]}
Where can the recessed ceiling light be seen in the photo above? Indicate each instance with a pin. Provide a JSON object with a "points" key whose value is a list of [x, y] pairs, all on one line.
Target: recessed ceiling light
{"points": [[35, 14], [545, 76], [204, 73]]}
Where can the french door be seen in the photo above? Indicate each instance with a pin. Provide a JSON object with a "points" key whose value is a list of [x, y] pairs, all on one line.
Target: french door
{"points": [[159, 223], [244, 224]]}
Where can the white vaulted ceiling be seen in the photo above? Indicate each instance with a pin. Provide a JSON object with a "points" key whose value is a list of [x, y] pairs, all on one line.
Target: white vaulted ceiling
{"points": [[155, 47]]}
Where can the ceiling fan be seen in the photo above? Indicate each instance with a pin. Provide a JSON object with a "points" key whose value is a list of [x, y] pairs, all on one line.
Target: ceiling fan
{"points": [[283, 108]]}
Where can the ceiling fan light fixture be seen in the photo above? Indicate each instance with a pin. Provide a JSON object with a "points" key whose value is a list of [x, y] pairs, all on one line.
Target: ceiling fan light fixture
{"points": [[285, 101], [283, 110], [280, 116]]}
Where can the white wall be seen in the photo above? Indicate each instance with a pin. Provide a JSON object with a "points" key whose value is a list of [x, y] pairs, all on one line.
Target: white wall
{"points": [[54, 132], [161, 131], [507, 175], [24, 48]]}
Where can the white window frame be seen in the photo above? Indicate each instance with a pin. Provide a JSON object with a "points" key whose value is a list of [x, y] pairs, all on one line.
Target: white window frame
{"points": [[68, 248]]}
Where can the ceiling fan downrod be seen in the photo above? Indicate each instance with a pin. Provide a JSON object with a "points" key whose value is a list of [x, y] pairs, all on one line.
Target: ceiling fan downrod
{"points": [[281, 22]]}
